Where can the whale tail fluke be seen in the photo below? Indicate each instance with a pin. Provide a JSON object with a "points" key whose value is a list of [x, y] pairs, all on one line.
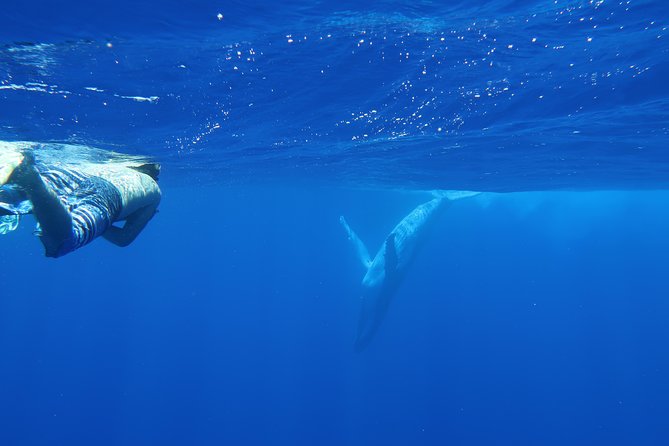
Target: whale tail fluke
{"points": [[359, 246], [453, 195]]}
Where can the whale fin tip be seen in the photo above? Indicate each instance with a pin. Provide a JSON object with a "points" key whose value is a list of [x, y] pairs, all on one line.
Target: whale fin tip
{"points": [[359, 246]]}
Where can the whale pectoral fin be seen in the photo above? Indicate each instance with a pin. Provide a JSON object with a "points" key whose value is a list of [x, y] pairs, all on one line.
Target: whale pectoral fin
{"points": [[360, 247], [390, 256]]}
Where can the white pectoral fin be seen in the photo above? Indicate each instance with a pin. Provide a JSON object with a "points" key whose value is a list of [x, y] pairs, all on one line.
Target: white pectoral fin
{"points": [[360, 247]]}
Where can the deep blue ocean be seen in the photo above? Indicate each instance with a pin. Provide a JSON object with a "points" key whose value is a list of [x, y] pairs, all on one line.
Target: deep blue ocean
{"points": [[536, 313]]}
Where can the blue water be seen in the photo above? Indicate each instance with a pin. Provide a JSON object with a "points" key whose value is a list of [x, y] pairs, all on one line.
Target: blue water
{"points": [[538, 315]]}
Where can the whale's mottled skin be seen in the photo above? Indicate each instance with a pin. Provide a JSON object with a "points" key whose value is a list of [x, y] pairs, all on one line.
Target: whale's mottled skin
{"points": [[389, 266]]}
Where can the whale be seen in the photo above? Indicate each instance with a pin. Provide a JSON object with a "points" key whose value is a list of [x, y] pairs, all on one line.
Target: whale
{"points": [[385, 272]]}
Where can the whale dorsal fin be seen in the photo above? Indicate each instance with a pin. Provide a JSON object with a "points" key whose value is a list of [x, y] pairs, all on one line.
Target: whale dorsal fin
{"points": [[390, 255], [360, 247]]}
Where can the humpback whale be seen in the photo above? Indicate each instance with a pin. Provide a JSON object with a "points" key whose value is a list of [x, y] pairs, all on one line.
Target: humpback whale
{"points": [[390, 264]]}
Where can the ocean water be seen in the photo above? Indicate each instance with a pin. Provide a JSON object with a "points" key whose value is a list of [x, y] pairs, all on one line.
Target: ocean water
{"points": [[536, 313]]}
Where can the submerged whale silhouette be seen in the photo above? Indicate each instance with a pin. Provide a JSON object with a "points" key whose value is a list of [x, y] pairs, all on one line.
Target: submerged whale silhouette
{"points": [[387, 269]]}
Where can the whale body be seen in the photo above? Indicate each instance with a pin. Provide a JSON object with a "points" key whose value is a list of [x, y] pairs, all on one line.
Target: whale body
{"points": [[385, 272]]}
